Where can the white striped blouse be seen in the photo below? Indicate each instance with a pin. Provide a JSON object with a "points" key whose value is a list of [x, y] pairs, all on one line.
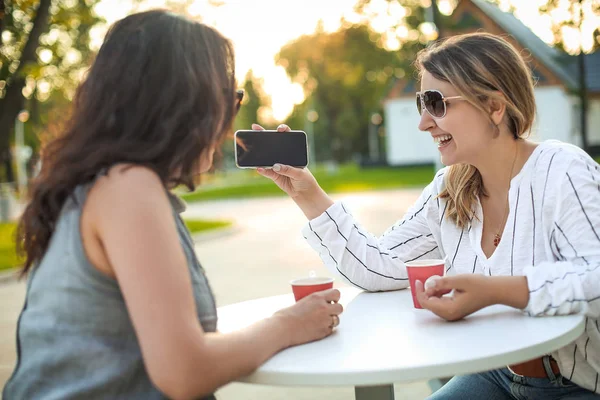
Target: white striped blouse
{"points": [[552, 236]]}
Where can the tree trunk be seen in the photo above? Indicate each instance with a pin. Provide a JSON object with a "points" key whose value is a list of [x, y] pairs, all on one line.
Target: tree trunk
{"points": [[583, 101], [582, 87], [2, 15], [437, 20], [13, 101]]}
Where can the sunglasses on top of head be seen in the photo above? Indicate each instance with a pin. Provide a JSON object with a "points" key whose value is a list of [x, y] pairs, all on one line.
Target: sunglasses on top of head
{"points": [[434, 102]]}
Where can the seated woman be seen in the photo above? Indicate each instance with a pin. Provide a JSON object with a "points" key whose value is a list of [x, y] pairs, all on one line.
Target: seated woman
{"points": [[117, 305], [518, 221]]}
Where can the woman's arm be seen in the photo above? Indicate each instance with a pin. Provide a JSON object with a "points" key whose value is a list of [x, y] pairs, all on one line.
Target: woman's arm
{"points": [[572, 283], [566, 286], [362, 259], [369, 262], [133, 220]]}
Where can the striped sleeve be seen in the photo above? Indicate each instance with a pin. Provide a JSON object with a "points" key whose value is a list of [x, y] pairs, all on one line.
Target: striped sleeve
{"points": [[368, 262], [572, 283]]}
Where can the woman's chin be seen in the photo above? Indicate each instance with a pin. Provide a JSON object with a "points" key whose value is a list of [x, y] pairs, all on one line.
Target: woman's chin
{"points": [[447, 161]]}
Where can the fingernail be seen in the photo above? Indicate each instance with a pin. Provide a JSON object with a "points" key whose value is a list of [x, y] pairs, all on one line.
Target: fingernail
{"points": [[280, 127], [277, 167]]}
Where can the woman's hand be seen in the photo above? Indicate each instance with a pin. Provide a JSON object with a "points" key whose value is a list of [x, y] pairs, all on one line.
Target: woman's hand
{"points": [[293, 181], [298, 183], [312, 318], [471, 292]]}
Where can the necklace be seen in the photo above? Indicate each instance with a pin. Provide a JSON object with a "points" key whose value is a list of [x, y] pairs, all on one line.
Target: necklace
{"points": [[498, 234]]}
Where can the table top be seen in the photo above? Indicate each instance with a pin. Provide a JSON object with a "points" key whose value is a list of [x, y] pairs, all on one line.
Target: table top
{"points": [[382, 339]]}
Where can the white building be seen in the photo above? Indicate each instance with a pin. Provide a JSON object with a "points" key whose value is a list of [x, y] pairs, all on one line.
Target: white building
{"points": [[558, 111]]}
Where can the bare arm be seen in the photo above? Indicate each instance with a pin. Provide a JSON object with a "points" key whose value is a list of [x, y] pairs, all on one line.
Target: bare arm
{"points": [[133, 221], [298, 183], [363, 260], [301, 186], [314, 205]]}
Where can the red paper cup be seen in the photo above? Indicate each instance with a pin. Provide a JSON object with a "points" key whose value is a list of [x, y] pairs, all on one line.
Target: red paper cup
{"points": [[304, 286], [421, 270]]}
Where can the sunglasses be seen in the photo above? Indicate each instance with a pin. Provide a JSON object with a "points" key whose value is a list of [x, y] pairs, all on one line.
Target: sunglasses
{"points": [[434, 102], [239, 96]]}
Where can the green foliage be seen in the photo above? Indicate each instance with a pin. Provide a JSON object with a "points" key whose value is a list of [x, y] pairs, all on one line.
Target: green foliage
{"points": [[254, 99], [41, 59], [572, 16], [349, 178], [64, 46], [249, 113], [347, 74]]}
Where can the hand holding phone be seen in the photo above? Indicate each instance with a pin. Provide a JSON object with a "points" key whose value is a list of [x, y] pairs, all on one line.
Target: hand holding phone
{"points": [[298, 183], [263, 149]]}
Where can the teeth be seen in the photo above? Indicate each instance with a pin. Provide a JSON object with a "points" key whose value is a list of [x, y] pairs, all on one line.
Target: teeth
{"points": [[441, 139]]}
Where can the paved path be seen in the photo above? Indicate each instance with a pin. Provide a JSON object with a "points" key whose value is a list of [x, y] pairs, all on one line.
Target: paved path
{"points": [[256, 259]]}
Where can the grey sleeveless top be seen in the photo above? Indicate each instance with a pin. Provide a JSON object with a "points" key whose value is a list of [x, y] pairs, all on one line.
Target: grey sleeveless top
{"points": [[75, 339]]}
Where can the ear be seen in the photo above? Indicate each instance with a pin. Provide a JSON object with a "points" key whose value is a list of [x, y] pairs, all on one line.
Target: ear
{"points": [[497, 109]]}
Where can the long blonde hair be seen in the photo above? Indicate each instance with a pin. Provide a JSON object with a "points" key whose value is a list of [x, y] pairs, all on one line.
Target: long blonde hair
{"points": [[482, 67]]}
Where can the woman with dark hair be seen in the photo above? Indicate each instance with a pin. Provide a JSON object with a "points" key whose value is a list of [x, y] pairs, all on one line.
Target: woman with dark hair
{"points": [[117, 304]]}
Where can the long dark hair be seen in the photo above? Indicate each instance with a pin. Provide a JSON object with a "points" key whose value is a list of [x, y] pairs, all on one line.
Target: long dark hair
{"points": [[160, 91]]}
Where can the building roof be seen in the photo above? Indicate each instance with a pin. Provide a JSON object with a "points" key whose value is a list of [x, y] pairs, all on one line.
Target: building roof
{"points": [[563, 65]]}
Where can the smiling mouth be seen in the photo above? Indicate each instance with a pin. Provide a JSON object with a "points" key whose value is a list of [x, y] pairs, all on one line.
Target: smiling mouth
{"points": [[442, 140]]}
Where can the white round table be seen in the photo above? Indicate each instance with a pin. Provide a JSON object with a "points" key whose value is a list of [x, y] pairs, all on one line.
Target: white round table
{"points": [[382, 339]]}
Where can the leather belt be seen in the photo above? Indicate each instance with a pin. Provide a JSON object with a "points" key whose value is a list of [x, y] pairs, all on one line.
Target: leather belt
{"points": [[534, 368]]}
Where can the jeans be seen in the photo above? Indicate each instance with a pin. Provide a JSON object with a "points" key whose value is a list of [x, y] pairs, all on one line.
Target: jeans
{"points": [[502, 384]]}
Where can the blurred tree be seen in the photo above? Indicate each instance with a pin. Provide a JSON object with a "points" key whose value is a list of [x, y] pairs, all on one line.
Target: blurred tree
{"points": [[253, 105], [44, 47], [345, 75], [408, 20], [437, 19], [568, 19]]}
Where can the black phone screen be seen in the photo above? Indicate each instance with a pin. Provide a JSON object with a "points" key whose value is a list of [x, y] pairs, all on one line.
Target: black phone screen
{"points": [[264, 148]]}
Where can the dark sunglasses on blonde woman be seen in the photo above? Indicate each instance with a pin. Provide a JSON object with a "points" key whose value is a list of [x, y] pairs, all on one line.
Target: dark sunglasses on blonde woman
{"points": [[434, 102]]}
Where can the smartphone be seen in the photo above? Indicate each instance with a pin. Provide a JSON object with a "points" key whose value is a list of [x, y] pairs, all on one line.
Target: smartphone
{"points": [[254, 149]]}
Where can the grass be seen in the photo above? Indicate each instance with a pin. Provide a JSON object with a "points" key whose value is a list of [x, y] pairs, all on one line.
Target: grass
{"points": [[348, 178], [200, 225], [8, 255]]}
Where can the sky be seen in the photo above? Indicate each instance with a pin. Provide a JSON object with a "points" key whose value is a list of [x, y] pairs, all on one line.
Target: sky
{"points": [[259, 28]]}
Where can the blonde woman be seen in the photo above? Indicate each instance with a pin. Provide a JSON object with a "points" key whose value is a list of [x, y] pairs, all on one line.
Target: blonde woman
{"points": [[519, 221]]}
